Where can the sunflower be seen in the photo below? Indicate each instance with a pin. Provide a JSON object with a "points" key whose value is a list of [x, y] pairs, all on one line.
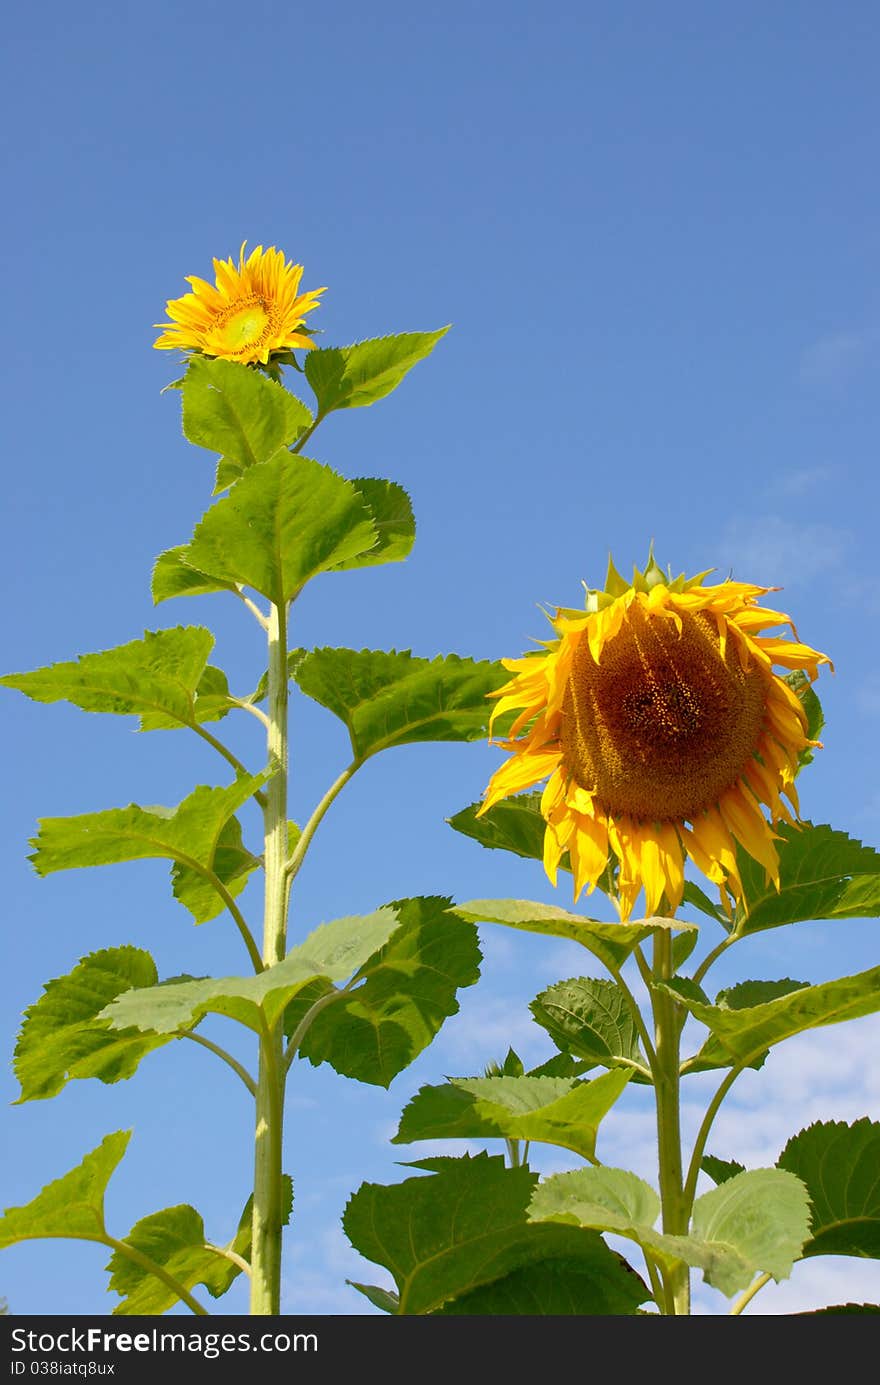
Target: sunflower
{"points": [[252, 310], [663, 732]]}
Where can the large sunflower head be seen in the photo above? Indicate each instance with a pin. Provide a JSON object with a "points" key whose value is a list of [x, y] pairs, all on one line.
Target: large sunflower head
{"points": [[252, 310], [663, 732]]}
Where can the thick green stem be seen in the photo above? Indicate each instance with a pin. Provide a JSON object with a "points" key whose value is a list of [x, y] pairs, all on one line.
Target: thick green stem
{"points": [[267, 1219], [667, 1034]]}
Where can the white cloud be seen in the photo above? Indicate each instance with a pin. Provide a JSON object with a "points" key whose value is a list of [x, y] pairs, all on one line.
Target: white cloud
{"points": [[835, 357], [802, 480], [773, 550]]}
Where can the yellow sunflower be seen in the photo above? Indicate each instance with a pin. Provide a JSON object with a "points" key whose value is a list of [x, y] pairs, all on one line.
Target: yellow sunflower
{"points": [[253, 309], [664, 731]]}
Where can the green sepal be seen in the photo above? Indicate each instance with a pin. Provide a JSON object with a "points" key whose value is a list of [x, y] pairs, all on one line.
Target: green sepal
{"points": [[349, 377], [61, 1037]]}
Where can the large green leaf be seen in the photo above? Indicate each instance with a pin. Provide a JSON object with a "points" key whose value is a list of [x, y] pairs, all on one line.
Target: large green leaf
{"points": [[763, 1216], [740, 1034], [823, 874], [158, 678], [175, 1240], [553, 1110], [839, 1164], [597, 1284], [399, 998], [388, 699], [232, 864], [189, 834], [284, 522], [443, 1236], [348, 377], [61, 1037], [72, 1206], [612, 943], [393, 520], [236, 411], [334, 951], [589, 1019], [756, 1221]]}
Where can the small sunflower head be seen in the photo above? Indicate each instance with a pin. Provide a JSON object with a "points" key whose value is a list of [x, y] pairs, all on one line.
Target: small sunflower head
{"points": [[663, 732], [252, 313]]}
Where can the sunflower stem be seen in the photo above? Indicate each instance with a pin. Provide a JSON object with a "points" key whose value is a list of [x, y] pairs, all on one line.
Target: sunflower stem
{"points": [[667, 1036], [268, 1214]]}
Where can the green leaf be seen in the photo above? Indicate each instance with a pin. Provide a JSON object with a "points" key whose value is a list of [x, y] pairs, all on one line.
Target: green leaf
{"points": [[839, 1164], [189, 834], [232, 864], [158, 678], [72, 1206], [741, 1034], [515, 824], [393, 520], [232, 409], [600, 1284], [823, 874], [719, 1170], [388, 699], [757, 1221], [462, 1227], [700, 900], [552, 1110], [763, 1216], [385, 1299], [175, 1239], [334, 951], [841, 1308], [349, 377], [612, 943], [284, 522], [174, 576], [590, 1019], [800, 684], [61, 1037], [400, 997]]}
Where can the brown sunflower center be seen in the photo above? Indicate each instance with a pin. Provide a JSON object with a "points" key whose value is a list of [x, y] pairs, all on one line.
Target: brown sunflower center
{"points": [[664, 723]]}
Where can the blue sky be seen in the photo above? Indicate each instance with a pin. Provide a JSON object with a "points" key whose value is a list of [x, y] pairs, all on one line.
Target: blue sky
{"points": [[654, 229]]}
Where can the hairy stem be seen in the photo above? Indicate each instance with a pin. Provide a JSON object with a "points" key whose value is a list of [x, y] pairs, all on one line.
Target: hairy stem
{"points": [[267, 1217], [667, 1034], [297, 856]]}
